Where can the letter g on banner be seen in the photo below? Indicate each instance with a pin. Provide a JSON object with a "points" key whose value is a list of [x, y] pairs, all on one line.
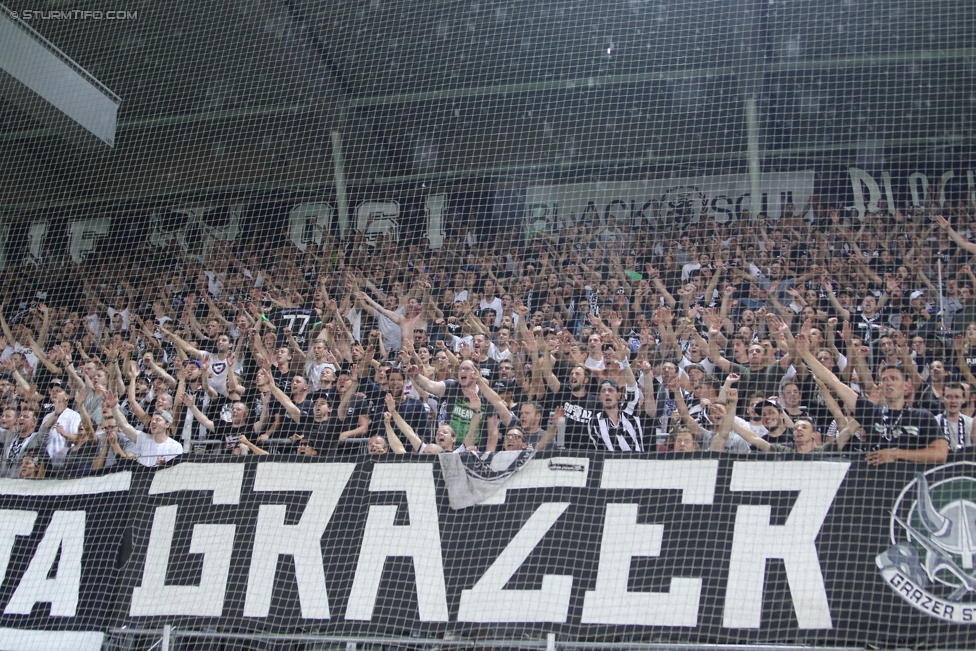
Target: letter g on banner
{"points": [[214, 541]]}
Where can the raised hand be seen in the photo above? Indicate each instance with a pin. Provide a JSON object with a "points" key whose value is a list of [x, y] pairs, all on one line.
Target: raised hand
{"points": [[845, 331], [473, 396], [802, 343]]}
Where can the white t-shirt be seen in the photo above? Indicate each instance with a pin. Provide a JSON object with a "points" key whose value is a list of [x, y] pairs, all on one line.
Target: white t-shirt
{"points": [[125, 317], [218, 368], [149, 452], [390, 330], [94, 322], [314, 372], [597, 365], [496, 305], [70, 420], [355, 318]]}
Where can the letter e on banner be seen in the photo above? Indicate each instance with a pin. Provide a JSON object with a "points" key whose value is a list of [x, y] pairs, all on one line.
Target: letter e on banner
{"points": [[623, 539]]}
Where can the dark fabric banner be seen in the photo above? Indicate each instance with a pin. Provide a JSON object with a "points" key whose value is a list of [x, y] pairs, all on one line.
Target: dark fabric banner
{"points": [[59, 546], [695, 548]]}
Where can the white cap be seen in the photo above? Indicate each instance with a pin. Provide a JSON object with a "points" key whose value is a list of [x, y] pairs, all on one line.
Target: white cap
{"points": [[917, 294]]}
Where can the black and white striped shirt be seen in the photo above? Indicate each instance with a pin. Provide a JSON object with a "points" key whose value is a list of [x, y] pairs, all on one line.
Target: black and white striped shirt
{"points": [[625, 435]]}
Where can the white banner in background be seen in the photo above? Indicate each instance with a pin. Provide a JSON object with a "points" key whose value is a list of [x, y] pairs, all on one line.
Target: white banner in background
{"points": [[724, 197]]}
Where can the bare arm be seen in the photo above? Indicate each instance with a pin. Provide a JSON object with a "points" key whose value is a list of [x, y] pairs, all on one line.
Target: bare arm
{"points": [[250, 446], [504, 414], [396, 445], [847, 395], [392, 316], [546, 439], [428, 385], [189, 403], [178, 341]]}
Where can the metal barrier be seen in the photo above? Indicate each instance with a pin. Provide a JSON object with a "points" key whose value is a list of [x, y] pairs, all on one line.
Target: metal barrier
{"points": [[174, 639]]}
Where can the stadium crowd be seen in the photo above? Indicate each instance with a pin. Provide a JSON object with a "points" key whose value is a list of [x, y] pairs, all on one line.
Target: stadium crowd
{"points": [[815, 333]]}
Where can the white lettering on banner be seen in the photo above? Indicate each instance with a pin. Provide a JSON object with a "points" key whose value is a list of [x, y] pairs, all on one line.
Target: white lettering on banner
{"points": [[623, 539], [83, 234], [13, 524], [694, 478], [378, 218], [65, 534], [436, 207], [858, 178], [35, 241], [488, 602], [303, 233], [214, 541], [540, 473], [419, 540], [754, 540], [723, 198], [302, 541], [200, 228]]}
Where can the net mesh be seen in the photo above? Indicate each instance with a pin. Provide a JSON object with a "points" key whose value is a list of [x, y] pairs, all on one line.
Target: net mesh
{"points": [[237, 229]]}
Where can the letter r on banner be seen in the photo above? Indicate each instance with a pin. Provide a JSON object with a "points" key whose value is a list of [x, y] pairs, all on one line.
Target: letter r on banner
{"points": [[302, 541], [755, 540]]}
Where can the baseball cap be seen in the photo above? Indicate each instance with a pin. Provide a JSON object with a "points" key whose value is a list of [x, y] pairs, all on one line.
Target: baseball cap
{"points": [[917, 294]]}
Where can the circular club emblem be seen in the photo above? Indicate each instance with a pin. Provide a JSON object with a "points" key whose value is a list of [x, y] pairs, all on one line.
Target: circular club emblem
{"points": [[932, 561], [685, 202]]}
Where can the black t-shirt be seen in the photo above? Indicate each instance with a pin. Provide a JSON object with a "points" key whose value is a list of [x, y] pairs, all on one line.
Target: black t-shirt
{"points": [[926, 399], [229, 434], [289, 426], [488, 369], [579, 412], [283, 380], [905, 429], [322, 436], [300, 321]]}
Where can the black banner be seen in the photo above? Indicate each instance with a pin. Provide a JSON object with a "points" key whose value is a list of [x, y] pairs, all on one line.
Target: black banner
{"points": [[691, 548], [59, 546]]}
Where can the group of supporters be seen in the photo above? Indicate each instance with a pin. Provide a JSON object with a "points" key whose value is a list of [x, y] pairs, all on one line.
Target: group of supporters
{"points": [[821, 332]]}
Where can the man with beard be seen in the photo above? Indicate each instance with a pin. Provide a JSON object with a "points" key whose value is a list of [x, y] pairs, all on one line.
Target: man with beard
{"points": [[219, 362], [613, 428], [580, 406]]}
